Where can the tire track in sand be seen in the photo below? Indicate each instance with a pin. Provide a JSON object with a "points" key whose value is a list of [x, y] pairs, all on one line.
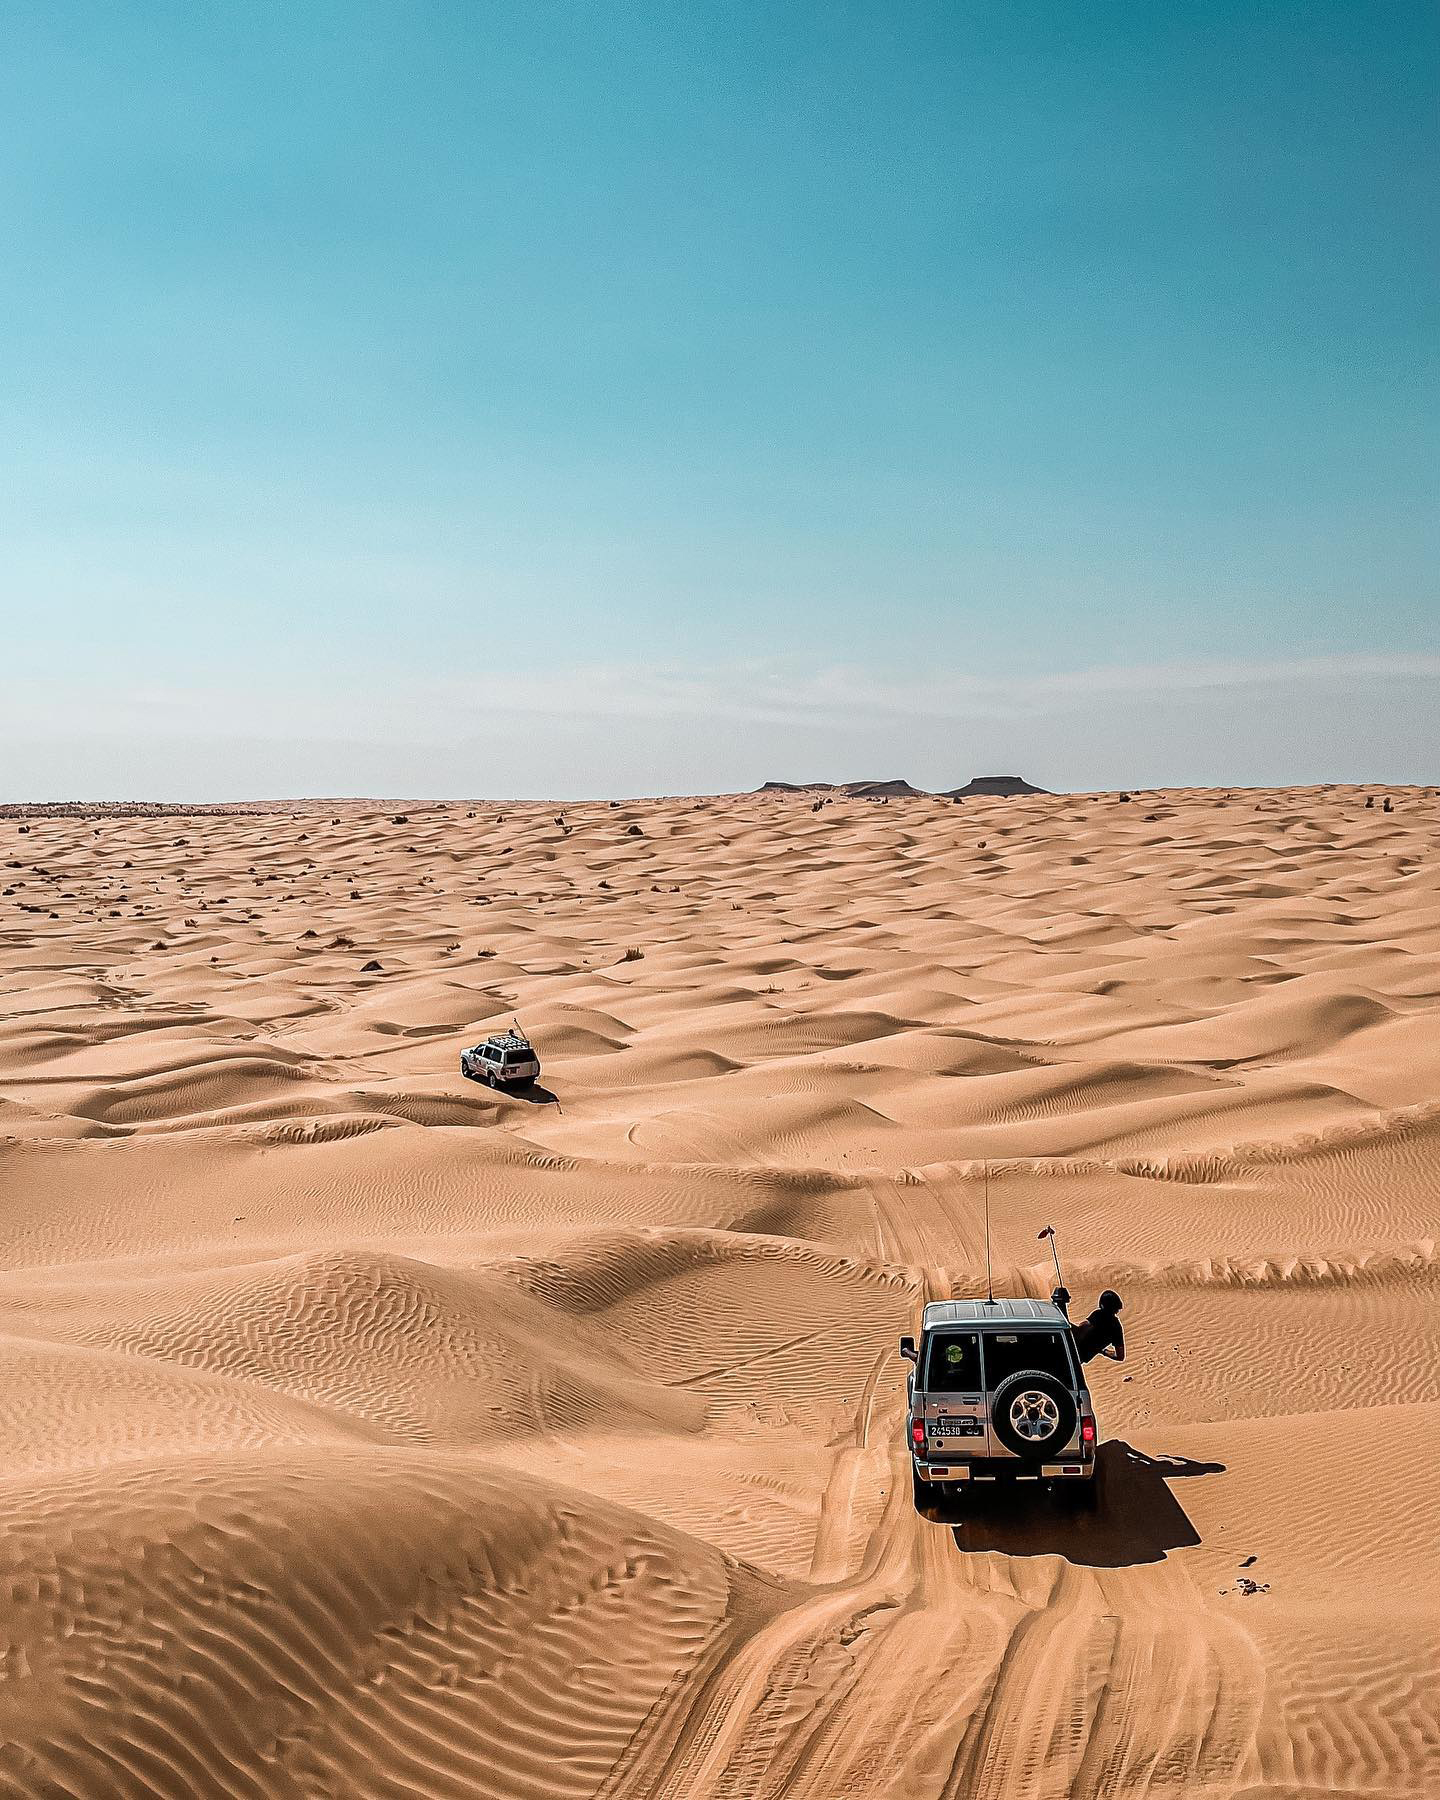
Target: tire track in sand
{"points": [[913, 1668]]}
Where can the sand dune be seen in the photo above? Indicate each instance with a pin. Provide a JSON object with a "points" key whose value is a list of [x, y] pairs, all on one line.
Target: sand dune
{"points": [[372, 1434]]}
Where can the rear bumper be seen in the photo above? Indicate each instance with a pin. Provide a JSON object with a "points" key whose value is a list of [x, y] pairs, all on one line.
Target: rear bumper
{"points": [[998, 1469]]}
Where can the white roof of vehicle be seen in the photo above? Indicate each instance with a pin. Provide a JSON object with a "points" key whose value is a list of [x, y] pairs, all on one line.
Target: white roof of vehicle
{"points": [[992, 1312]]}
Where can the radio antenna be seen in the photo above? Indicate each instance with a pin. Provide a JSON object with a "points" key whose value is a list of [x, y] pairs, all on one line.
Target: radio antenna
{"points": [[989, 1280]]}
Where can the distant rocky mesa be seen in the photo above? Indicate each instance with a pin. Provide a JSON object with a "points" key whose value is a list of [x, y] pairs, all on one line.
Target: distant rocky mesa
{"points": [[871, 790], [995, 784]]}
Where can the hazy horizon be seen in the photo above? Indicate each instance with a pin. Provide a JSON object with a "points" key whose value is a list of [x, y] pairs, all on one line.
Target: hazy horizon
{"points": [[546, 401]]}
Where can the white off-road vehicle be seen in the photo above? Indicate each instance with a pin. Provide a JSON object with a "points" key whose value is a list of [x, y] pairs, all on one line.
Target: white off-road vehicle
{"points": [[998, 1394], [505, 1060]]}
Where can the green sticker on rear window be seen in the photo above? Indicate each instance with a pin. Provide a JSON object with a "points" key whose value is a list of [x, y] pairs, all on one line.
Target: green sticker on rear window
{"points": [[955, 1353]]}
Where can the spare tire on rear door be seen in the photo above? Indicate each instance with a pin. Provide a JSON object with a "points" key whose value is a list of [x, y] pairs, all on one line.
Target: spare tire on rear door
{"points": [[1033, 1414]]}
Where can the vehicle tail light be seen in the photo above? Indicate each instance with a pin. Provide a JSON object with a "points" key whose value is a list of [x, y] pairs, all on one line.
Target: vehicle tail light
{"points": [[917, 1433], [1087, 1431]]}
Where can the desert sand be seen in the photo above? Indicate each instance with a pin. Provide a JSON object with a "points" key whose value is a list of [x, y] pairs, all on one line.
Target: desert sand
{"points": [[370, 1434]]}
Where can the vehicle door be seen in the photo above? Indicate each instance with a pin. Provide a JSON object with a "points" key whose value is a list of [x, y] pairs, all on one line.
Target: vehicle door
{"points": [[1008, 1351], [954, 1394]]}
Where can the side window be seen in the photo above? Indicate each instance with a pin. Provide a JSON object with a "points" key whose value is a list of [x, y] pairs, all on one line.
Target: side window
{"points": [[953, 1363]]}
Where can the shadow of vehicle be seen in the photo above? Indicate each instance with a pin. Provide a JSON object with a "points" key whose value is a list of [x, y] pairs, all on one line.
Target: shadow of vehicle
{"points": [[535, 1094], [1138, 1519]]}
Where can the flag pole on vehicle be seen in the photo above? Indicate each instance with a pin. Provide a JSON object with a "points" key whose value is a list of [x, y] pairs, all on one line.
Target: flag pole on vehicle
{"points": [[989, 1279], [1061, 1296], [1049, 1232]]}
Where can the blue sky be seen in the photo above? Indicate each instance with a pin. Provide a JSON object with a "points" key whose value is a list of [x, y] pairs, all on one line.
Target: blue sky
{"points": [[431, 398]]}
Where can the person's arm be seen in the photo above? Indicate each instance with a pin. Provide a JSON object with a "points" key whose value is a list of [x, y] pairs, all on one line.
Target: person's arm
{"points": [[1115, 1349]]}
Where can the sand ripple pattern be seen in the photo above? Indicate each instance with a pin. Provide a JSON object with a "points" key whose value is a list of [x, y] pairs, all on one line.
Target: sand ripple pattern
{"points": [[369, 1434]]}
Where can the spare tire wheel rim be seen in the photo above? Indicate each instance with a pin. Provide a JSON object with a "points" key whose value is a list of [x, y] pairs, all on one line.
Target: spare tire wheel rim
{"points": [[1034, 1415]]}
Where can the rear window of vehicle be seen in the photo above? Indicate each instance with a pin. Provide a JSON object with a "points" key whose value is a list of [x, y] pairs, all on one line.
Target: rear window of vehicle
{"points": [[519, 1056], [954, 1363], [1008, 1352]]}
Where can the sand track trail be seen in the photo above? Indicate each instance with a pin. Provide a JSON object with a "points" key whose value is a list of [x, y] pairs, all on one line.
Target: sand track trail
{"points": [[373, 1436]]}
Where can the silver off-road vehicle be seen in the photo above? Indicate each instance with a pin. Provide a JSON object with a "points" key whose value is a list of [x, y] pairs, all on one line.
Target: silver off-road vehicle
{"points": [[997, 1394], [505, 1060]]}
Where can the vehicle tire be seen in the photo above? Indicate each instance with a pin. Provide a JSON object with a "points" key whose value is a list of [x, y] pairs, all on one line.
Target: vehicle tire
{"points": [[490, 1078], [1033, 1414], [922, 1491]]}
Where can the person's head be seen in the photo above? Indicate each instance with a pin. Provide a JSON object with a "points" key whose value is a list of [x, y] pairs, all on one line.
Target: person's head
{"points": [[1110, 1301]]}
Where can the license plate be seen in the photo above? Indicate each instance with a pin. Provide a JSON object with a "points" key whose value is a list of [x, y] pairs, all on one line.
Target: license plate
{"points": [[955, 1428]]}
